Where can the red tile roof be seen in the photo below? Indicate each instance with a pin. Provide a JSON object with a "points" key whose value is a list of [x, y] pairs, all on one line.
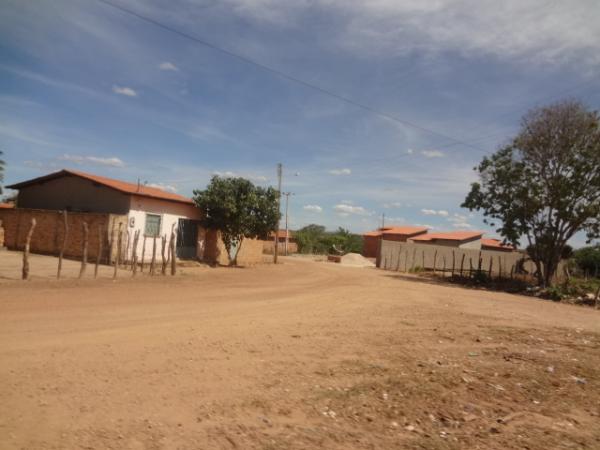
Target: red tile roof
{"points": [[496, 243], [7, 205], [281, 234], [449, 236], [405, 231], [121, 186]]}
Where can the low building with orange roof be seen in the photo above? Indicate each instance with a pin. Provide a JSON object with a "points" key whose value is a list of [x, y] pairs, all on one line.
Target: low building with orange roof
{"points": [[371, 239], [496, 245], [459, 239]]}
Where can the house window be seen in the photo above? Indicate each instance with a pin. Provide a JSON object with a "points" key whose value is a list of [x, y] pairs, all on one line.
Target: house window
{"points": [[152, 225]]}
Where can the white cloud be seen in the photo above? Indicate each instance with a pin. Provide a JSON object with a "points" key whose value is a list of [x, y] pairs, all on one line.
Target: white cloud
{"points": [[257, 178], [231, 174], [127, 91], [392, 205], [433, 212], [162, 186], [340, 172], [536, 31], [313, 208], [462, 225], [168, 66], [93, 160], [226, 174], [432, 154], [344, 210], [410, 151], [459, 221]]}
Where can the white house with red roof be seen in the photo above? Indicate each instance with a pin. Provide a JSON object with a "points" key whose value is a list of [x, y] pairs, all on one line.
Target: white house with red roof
{"points": [[154, 212]]}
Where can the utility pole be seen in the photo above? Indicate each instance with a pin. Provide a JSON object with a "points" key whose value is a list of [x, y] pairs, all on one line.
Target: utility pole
{"points": [[276, 248], [287, 232]]}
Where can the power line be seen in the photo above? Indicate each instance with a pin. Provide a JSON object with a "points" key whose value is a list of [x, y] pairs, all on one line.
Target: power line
{"points": [[285, 75]]}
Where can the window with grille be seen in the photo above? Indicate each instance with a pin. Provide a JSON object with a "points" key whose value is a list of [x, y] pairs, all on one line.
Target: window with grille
{"points": [[152, 225]]}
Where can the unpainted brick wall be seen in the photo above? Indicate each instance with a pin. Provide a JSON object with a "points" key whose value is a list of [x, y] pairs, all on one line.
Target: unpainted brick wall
{"points": [[250, 254], [269, 246], [49, 231]]}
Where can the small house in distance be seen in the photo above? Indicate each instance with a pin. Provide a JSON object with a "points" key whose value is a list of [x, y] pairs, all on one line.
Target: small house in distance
{"points": [[371, 239], [459, 239], [495, 245]]}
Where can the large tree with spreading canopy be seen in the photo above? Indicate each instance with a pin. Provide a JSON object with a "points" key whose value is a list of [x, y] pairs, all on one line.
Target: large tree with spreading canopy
{"points": [[238, 209], [544, 186]]}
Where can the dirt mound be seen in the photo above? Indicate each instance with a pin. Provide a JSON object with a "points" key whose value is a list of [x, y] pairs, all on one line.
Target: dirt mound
{"points": [[354, 259]]}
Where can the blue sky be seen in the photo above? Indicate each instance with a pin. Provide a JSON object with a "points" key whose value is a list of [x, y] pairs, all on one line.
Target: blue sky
{"points": [[85, 86]]}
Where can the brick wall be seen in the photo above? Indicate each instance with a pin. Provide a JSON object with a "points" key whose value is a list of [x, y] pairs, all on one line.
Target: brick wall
{"points": [[370, 246], [49, 231], [269, 246], [213, 249]]}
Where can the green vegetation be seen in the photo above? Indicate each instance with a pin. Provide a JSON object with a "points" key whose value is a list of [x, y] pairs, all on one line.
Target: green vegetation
{"points": [[587, 261], [314, 239], [545, 185], [238, 209]]}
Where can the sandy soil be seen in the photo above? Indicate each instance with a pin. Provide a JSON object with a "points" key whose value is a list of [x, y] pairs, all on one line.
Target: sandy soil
{"points": [[302, 355]]}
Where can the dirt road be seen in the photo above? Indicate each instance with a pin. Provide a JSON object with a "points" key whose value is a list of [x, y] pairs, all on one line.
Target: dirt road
{"points": [[299, 356]]}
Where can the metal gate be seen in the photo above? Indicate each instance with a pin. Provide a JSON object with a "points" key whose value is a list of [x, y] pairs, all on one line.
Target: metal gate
{"points": [[187, 237]]}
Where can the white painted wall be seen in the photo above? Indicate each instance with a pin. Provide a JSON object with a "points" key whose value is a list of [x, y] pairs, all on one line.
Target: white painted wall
{"points": [[170, 213]]}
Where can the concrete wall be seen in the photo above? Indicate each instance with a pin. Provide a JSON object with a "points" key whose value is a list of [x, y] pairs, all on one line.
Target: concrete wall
{"points": [[49, 232], [403, 257], [212, 250], [473, 244], [170, 213], [75, 194]]}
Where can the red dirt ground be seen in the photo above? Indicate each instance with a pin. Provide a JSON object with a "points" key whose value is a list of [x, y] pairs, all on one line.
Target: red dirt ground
{"points": [[301, 355]]}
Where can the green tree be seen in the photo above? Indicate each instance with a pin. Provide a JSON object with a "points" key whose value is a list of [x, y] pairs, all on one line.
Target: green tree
{"points": [[588, 259], [315, 239], [545, 185], [238, 209], [309, 237]]}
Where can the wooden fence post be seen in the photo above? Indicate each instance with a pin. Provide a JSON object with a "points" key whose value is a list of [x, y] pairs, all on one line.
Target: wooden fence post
{"points": [[136, 238], [64, 244], [470, 267], [125, 260], [143, 254], [25, 274], [414, 260], [99, 251], [490, 270], [434, 261], [423, 254], [462, 263], [173, 254], [499, 267], [153, 260], [163, 244], [453, 263], [118, 255], [84, 249]]}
